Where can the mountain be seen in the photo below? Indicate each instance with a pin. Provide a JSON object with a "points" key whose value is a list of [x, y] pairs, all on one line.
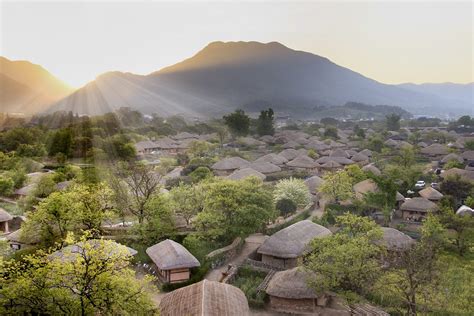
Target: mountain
{"points": [[448, 90], [28, 88], [249, 75]]}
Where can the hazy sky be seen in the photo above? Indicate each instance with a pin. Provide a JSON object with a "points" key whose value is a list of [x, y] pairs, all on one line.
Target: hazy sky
{"points": [[391, 42]]}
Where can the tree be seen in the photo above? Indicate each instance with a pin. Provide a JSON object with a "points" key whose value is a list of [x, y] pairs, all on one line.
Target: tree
{"points": [[329, 121], [469, 145], [348, 260], [78, 209], [95, 280], [466, 120], [238, 123], [384, 198], [201, 173], [187, 200], [292, 189], [134, 187], [418, 269], [461, 228], [286, 206], [330, 132], [393, 122], [337, 186], [405, 158], [222, 135], [265, 123], [355, 173], [359, 132], [159, 222], [456, 186], [234, 208], [6, 185], [453, 164]]}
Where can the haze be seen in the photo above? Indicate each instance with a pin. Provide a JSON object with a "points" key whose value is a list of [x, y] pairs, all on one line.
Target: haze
{"points": [[392, 42]]}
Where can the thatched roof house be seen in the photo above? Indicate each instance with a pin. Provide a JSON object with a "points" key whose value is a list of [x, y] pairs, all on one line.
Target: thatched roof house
{"points": [[415, 209], [283, 248], [431, 194], [303, 162], [172, 260], [452, 156], [289, 293], [250, 141], [275, 159], [229, 164], [26, 190], [339, 160], [465, 174], [18, 240], [339, 153], [245, 173], [290, 154], [363, 187], [331, 165], [366, 152], [468, 155], [4, 218], [290, 145], [205, 298], [313, 183], [360, 158], [395, 240], [435, 150], [264, 167], [371, 168]]}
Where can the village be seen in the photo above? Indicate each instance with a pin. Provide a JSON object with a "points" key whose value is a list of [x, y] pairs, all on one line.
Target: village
{"points": [[246, 216]]}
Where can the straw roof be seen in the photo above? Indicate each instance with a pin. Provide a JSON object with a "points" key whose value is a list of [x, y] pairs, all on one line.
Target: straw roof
{"points": [[466, 174], [359, 157], [63, 185], [5, 216], [434, 150], [290, 144], [465, 210], [468, 155], [250, 141], [313, 183], [290, 154], [371, 168], [206, 298], [422, 144], [230, 163], [168, 255], [18, 237], [331, 164], [267, 139], [264, 167], [245, 173], [72, 251], [339, 153], [292, 284], [366, 152], [273, 158], [364, 187], [26, 190], [418, 204], [391, 143], [452, 156], [292, 241], [185, 135], [317, 145], [395, 240], [165, 143], [303, 162], [339, 160], [399, 197], [431, 194]]}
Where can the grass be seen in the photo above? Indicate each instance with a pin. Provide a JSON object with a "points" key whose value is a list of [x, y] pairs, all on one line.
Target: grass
{"points": [[248, 280], [13, 209]]}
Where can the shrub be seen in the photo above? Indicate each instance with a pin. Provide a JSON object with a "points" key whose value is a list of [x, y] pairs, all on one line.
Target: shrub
{"points": [[286, 206], [292, 189]]}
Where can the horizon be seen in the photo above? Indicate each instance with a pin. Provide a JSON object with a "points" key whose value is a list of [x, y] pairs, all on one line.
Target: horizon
{"points": [[84, 51]]}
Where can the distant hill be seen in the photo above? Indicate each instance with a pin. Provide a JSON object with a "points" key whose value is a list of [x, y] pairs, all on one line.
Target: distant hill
{"points": [[452, 91], [28, 88]]}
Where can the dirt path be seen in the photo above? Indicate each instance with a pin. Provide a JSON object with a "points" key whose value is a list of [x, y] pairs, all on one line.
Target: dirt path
{"points": [[251, 244]]}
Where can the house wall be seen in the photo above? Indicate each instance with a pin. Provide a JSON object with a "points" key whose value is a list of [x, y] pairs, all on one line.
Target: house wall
{"points": [[179, 275], [4, 227], [280, 262], [292, 306]]}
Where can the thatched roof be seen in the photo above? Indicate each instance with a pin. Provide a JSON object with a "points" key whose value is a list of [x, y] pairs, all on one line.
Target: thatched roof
{"points": [[290, 144], [422, 144], [431, 194], [468, 155], [290, 154], [18, 237], [303, 162], [395, 240], [245, 173], [317, 145], [466, 174], [5, 216], [331, 164], [435, 150], [292, 241], [273, 158], [206, 298], [364, 187], [250, 141], [371, 168], [359, 157], [168, 254], [366, 152], [391, 143], [267, 139], [165, 143], [230, 163], [26, 190], [452, 156], [313, 183], [72, 251], [264, 167], [63, 185], [339, 160], [399, 197], [185, 135], [339, 153], [291, 284], [419, 204]]}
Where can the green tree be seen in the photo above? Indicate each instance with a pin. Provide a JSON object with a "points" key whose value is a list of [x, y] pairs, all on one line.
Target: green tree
{"points": [[461, 229], [337, 186], [6, 185], [348, 260], [330, 132], [286, 206], [187, 200], [392, 122], [292, 189], [453, 164], [359, 132], [158, 222], [201, 173], [456, 187], [238, 123], [355, 173], [469, 145], [265, 123], [466, 120], [234, 208], [94, 280]]}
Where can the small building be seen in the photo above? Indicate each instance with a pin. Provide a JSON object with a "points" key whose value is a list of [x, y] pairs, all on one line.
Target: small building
{"points": [[303, 162], [435, 150], [360, 159], [431, 194], [209, 298], [416, 209], [145, 147], [373, 169], [174, 262], [284, 248], [5, 217], [245, 173], [396, 241], [17, 240], [363, 187], [228, 165], [288, 292], [264, 167]]}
